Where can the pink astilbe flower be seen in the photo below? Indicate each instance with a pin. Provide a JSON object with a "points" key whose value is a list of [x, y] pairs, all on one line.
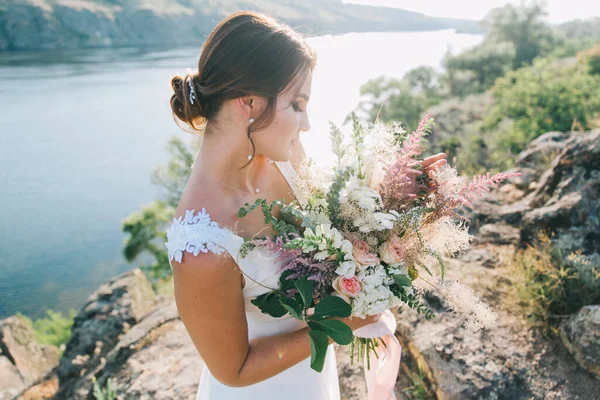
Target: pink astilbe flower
{"points": [[481, 184], [399, 185], [452, 192], [300, 264], [275, 246]]}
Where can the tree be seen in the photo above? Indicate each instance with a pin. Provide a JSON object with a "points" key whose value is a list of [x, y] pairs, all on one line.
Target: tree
{"points": [[403, 100], [147, 227], [476, 70], [524, 27]]}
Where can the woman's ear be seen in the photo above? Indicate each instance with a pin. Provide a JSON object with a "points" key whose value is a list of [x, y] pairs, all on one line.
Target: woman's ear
{"points": [[252, 106], [247, 105]]}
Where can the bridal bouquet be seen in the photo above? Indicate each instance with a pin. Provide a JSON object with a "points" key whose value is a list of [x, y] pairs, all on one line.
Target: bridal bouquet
{"points": [[370, 235]]}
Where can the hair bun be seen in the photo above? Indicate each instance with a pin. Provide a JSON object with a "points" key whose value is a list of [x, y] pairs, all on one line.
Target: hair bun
{"points": [[186, 101]]}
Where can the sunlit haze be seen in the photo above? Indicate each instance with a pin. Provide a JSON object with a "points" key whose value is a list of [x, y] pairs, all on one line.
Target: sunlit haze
{"points": [[559, 10]]}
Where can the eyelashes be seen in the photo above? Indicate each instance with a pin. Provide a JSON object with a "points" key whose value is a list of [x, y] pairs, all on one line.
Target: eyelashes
{"points": [[297, 108]]}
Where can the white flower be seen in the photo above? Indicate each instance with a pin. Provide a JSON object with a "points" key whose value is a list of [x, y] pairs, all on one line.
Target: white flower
{"points": [[375, 296], [346, 269], [446, 236], [346, 248], [312, 219], [448, 181], [322, 255], [385, 221], [463, 300], [398, 269], [365, 197]]}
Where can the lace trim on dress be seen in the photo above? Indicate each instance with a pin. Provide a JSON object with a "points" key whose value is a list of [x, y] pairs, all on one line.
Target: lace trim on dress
{"points": [[195, 233]]}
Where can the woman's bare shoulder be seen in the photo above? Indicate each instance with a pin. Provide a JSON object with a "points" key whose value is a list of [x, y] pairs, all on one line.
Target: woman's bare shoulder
{"points": [[199, 195]]}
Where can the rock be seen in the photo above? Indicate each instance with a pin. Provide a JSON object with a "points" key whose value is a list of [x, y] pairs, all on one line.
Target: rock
{"points": [[164, 365], [11, 381], [499, 233], [46, 389], [155, 359], [581, 336], [22, 359], [543, 149], [559, 192], [566, 203], [107, 314], [460, 364], [479, 256]]}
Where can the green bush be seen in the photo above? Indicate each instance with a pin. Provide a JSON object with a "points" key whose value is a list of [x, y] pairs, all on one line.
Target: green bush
{"points": [[548, 96], [54, 329], [591, 58], [549, 286], [476, 70], [108, 393], [405, 99]]}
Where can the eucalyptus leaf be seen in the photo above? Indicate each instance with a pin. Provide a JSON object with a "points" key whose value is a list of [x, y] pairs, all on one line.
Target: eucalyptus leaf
{"points": [[402, 280]]}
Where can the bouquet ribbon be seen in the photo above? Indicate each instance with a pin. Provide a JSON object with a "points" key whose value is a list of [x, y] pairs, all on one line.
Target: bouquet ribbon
{"points": [[381, 378]]}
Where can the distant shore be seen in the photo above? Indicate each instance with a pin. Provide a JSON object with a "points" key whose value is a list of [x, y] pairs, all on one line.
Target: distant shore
{"points": [[49, 25]]}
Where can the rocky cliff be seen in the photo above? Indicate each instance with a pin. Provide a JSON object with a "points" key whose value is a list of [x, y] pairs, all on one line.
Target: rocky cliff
{"points": [[559, 194], [67, 24], [128, 334]]}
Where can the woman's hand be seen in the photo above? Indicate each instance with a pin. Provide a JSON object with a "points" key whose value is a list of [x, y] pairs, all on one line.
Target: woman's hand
{"points": [[356, 323], [431, 164]]}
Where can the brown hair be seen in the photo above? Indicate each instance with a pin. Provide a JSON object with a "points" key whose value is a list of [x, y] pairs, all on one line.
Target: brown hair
{"points": [[247, 53]]}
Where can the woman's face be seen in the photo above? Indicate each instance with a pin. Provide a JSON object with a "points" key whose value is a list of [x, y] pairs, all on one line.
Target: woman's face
{"points": [[291, 118]]}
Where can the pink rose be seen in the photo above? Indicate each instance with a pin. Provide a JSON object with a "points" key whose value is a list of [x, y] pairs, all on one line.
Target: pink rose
{"points": [[393, 250], [360, 252], [347, 287]]}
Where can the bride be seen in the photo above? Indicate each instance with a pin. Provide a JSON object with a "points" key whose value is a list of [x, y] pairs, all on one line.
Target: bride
{"points": [[249, 100]]}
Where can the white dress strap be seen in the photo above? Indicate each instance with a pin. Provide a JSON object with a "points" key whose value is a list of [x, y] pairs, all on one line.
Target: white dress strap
{"points": [[288, 171], [196, 233]]}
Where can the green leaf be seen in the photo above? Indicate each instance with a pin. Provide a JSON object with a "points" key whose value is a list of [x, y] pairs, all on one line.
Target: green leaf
{"points": [[294, 308], [284, 283], [332, 306], [270, 305], [315, 326], [306, 288], [337, 330], [260, 301], [402, 280], [318, 349]]}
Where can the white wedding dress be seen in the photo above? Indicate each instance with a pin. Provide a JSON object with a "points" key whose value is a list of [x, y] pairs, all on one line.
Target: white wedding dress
{"points": [[195, 233]]}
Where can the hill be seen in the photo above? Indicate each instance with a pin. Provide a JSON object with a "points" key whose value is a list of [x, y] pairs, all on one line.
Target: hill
{"points": [[68, 24]]}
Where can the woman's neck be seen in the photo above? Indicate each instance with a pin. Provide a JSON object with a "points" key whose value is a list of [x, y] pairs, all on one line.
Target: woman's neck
{"points": [[222, 156]]}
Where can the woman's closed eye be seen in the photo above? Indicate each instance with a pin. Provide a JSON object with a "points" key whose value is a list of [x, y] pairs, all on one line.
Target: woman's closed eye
{"points": [[297, 107]]}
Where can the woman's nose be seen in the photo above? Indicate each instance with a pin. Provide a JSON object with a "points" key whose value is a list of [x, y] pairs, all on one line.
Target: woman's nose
{"points": [[305, 126]]}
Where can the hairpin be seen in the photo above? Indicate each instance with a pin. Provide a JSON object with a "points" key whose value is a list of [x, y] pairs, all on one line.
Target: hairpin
{"points": [[192, 95]]}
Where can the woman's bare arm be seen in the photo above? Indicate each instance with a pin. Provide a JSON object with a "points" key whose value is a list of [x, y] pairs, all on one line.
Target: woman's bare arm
{"points": [[210, 301]]}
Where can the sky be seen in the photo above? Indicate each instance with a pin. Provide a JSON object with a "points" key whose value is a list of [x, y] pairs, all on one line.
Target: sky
{"points": [[559, 10]]}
